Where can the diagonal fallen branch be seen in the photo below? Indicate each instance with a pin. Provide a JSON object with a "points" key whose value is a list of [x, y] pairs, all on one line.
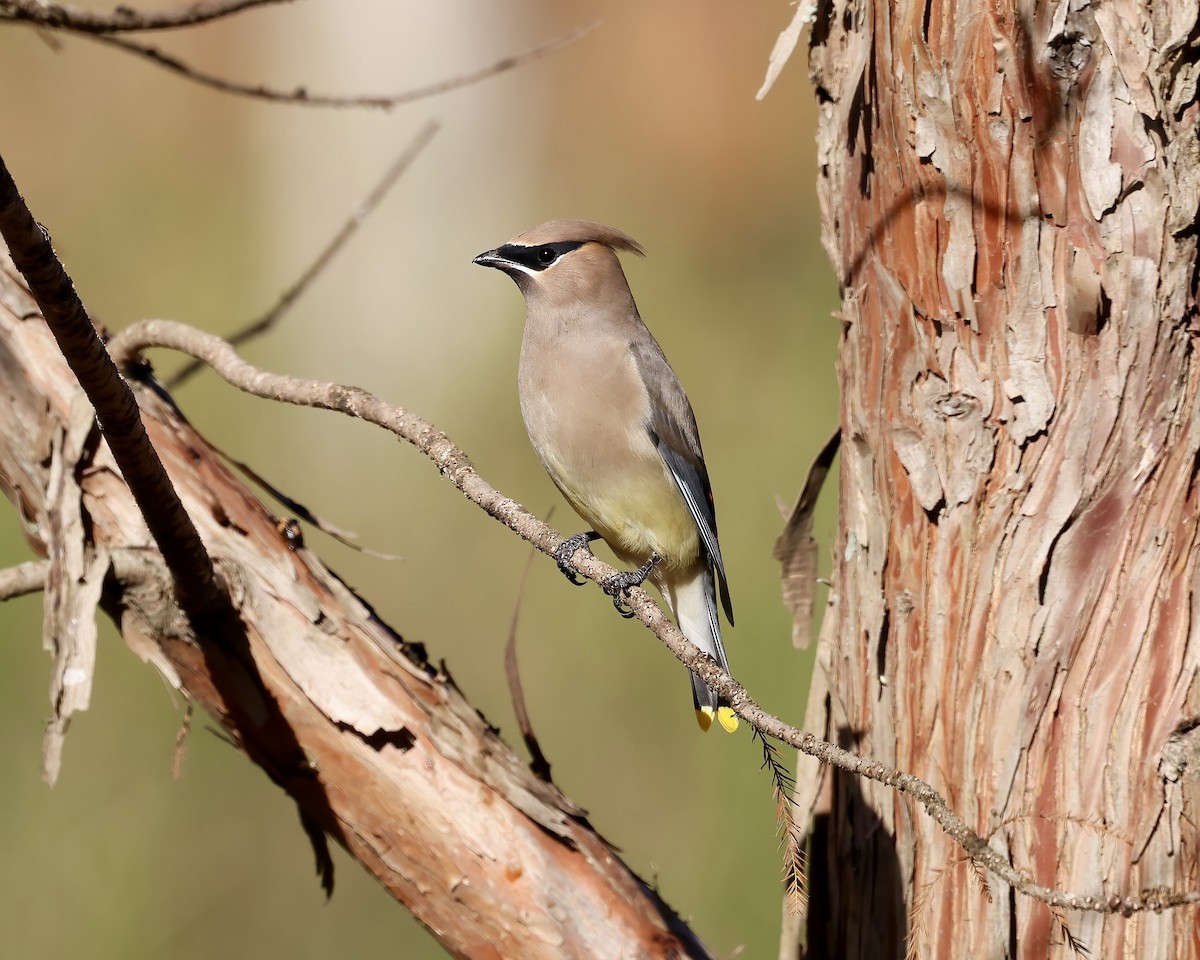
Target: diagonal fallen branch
{"points": [[458, 469]]}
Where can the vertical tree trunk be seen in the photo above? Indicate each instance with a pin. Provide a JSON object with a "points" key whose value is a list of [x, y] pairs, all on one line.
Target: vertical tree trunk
{"points": [[1010, 198]]}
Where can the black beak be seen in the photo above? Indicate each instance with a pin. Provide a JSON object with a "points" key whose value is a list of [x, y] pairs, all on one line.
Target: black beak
{"points": [[491, 258]]}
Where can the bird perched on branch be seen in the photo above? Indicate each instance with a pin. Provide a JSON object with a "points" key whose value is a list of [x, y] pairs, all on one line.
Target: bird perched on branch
{"points": [[614, 429]]}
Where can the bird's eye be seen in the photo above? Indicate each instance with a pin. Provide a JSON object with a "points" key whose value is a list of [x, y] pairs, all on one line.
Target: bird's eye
{"points": [[546, 256]]}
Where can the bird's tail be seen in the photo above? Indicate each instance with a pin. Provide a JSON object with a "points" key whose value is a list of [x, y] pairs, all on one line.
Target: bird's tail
{"points": [[695, 603]]}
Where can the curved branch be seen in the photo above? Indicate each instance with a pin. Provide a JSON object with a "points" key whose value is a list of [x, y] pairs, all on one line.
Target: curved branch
{"points": [[459, 470], [303, 97]]}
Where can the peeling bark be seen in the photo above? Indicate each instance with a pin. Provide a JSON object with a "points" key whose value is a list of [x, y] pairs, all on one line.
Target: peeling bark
{"points": [[1009, 195], [379, 749]]}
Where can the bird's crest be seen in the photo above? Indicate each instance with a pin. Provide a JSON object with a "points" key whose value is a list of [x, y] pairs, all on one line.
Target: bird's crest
{"points": [[578, 231]]}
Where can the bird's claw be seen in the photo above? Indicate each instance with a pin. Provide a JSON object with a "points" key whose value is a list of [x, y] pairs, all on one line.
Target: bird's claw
{"points": [[622, 607], [566, 550], [619, 585]]}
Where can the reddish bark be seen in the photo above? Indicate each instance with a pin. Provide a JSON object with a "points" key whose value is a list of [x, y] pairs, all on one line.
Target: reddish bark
{"points": [[1009, 196]]}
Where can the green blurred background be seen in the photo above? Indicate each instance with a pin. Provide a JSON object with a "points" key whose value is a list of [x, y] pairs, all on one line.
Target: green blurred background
{"points": [[169, 200]]}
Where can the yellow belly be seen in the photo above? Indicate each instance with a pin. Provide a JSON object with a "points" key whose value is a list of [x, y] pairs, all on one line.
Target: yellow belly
{"points": [[638, 511]]}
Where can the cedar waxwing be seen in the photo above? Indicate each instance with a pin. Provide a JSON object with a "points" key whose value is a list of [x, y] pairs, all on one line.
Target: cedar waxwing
{"points": [[613, 428]]}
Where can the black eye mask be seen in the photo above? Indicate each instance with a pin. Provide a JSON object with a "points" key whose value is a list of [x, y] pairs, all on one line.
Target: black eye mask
{"points": [[540, 257]]}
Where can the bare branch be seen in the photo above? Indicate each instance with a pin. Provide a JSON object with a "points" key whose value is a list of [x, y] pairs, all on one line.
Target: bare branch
{"points": [[357, 218], [459, 470], [302, 96], [57, 16], [23, 579], [116, 409]]}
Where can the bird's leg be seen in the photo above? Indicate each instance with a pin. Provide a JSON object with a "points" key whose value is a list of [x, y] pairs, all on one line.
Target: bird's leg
{"points": [[617, 586], [566, 550]]}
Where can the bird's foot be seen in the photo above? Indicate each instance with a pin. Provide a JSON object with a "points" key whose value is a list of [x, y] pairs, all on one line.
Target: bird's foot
{"points": [[618, 585], [566, 550]]}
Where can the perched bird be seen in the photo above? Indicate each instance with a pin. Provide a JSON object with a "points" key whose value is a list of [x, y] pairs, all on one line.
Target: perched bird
{"points": [[612, 426]]}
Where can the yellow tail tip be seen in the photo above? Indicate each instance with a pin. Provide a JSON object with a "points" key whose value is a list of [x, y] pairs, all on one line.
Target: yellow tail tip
{"points": [[723, 715]]}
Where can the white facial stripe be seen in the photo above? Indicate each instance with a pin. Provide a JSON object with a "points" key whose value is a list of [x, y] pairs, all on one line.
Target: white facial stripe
{"points": [[513, 265]]}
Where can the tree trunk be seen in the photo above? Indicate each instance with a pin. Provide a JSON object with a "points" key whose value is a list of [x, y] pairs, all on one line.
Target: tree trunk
{"points": [[1009, 196]]}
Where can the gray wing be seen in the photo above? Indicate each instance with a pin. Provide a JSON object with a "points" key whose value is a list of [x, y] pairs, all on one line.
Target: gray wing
{"points": [[673, 429]]}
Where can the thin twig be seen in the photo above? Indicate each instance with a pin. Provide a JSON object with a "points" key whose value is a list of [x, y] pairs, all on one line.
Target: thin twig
{"points": [[297, 289], [537, 760], [303, 97], [459, 470], [57, 16], [23, 579], [199, 592]]}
